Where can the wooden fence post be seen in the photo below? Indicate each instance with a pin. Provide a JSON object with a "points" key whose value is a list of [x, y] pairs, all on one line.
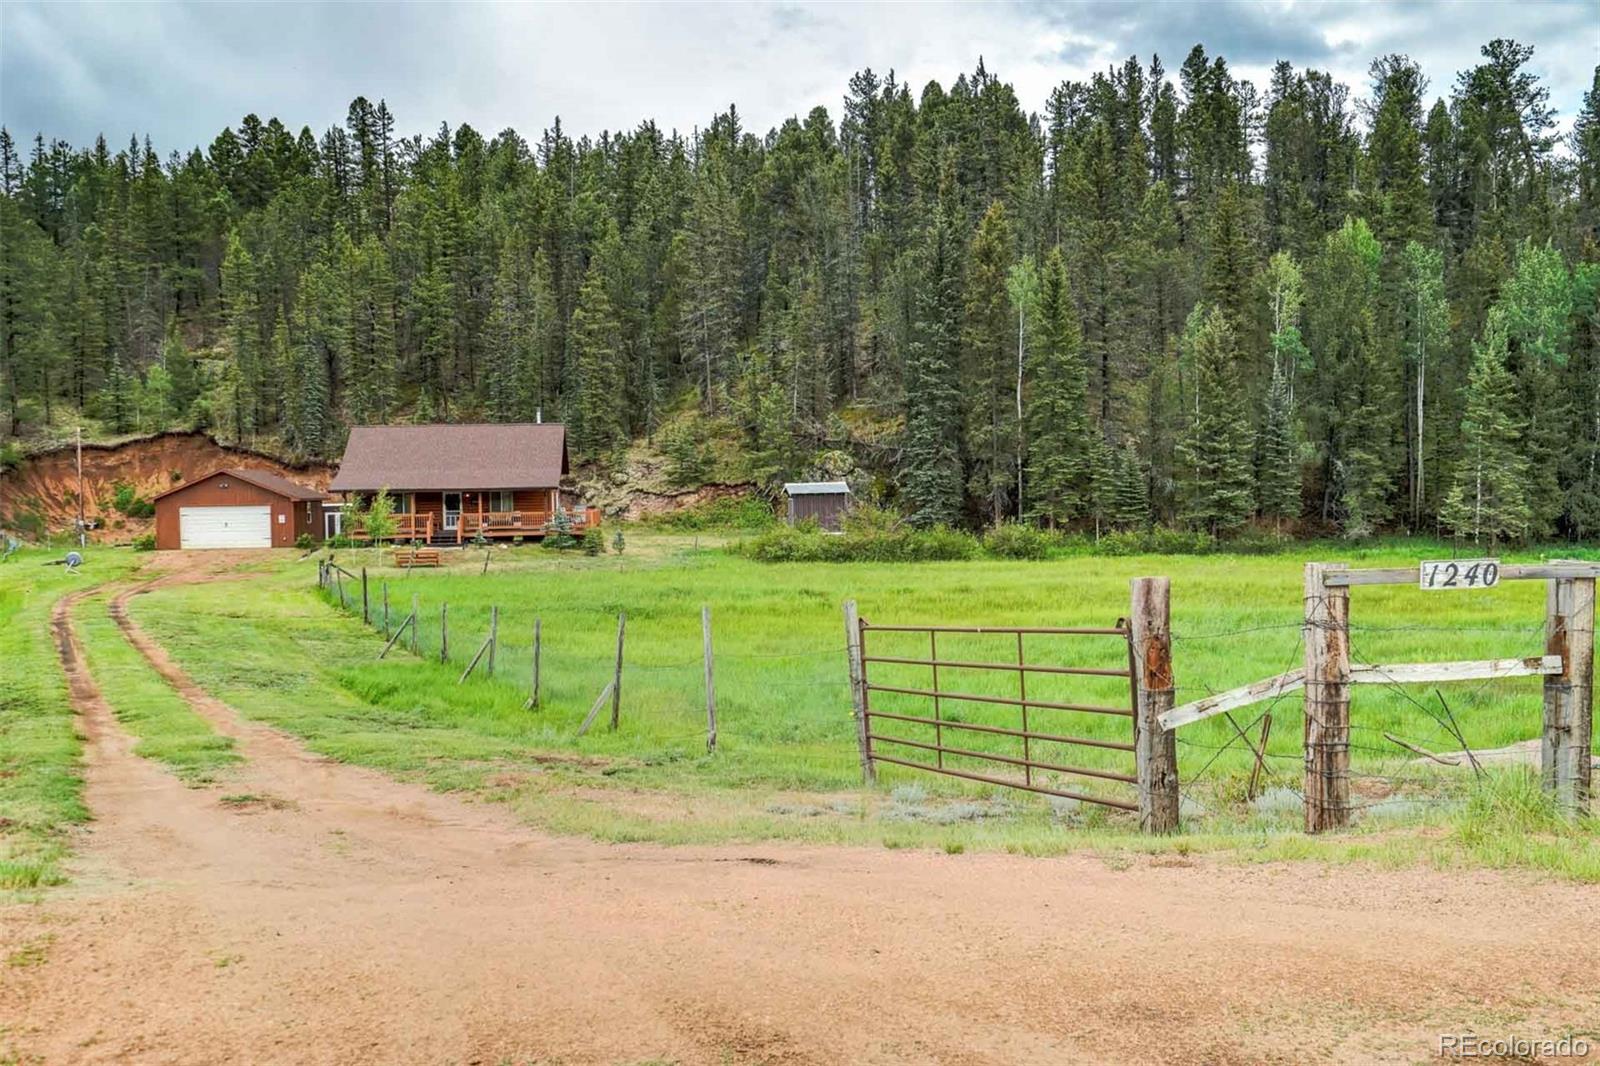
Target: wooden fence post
{"points": [[416, 644], [444, 631], [616, 683], [1564, 757], [1155, 748], [1327, 687], [366, 614], [711, 682], [858, 690], [494, 638], [533, 683]]}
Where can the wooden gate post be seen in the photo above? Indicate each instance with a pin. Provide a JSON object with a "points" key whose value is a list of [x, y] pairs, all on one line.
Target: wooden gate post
{"points": [[1155, 748], [858, 690], [1327, 688], [1564, 758], [616, 679]]}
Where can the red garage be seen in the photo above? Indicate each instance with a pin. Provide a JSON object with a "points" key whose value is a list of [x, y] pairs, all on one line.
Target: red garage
{"points": [[238, 509]]}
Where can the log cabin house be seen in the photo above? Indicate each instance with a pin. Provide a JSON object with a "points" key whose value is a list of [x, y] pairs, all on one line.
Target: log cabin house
{"points": [[450, 483]]}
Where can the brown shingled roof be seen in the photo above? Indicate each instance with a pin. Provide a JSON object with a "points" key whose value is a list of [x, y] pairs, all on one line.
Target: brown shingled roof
{"points": [[522, 455], [261, 479]]}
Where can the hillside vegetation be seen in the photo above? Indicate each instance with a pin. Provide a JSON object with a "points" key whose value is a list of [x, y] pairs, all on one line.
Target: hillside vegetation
{"points": [[1156, 296]]}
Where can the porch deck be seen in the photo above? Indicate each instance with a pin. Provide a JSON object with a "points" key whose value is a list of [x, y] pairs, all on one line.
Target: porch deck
{"points": [[431, 529]]}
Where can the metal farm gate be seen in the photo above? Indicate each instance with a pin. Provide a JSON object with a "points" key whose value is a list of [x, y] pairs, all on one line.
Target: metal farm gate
{"points": [[1028, 738]]}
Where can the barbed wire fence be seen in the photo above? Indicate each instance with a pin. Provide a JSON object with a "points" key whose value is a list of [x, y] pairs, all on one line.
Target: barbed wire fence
{"points": [[1396, 766]]}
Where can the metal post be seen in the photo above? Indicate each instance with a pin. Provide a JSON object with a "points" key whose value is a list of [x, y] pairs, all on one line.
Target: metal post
{"points": [[1327, 688], [415, 643], [711, 684], [1155, 748], [444, 632], [533, 687], [858, 689], [494, 637], [366, 613]]}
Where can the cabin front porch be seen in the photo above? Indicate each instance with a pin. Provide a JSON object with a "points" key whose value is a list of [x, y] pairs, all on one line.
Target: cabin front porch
{"points": [[460, 517]]}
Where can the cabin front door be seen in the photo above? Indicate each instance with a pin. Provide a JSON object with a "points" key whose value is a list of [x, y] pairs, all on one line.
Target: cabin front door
{"points": [[452, 511]]}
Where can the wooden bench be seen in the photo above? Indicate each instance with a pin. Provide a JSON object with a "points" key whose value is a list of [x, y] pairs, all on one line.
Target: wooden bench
{"points": [[409, 557]]}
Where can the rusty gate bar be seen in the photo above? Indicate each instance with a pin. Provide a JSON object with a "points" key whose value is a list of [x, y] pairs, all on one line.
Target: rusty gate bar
{"points": [[938, 730], [1022, 693], [976, 727], [1087, 671], [873, 741], [985, 778], [1089, 708], [1079, 771], [1078, 631]]}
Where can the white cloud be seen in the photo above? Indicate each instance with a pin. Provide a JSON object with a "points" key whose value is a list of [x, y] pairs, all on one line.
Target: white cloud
{"points": [[182, 72]]}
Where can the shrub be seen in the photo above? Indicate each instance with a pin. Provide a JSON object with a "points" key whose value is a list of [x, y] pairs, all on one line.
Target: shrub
{"points": [[145, 542], [594, 541], [10, 456], [1017, 540], [125, 498], [1158, 541], [898, 546], [303, 542], [617, 542], [750, 512], [558, 534]]}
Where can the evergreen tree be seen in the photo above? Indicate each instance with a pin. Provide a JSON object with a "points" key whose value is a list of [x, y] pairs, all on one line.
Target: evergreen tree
{"points": [[1215, 480], [1424, 322], [1486, 498], [988, 339], [596, 422], [1278, 476], [1057, 418], [930, 465], [180, 368]]}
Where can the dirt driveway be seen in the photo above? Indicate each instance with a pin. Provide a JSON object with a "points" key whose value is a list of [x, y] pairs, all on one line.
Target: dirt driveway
{"points": [[314, 912]]}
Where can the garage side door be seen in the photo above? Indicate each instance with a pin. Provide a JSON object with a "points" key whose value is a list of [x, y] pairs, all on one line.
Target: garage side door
{"points": [[225, 527]]}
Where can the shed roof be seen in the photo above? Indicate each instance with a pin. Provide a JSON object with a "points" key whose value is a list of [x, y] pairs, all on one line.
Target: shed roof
{"points": [[816, 488], [261, 479], [525, 455]]}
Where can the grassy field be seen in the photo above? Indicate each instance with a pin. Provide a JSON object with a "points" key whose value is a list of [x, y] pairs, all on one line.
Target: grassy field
{"points": [[40, 789], [166, 727], [786, 762]]}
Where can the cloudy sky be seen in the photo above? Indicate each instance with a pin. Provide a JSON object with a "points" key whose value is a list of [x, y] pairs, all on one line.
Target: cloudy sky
{"points": [[180, 72]]}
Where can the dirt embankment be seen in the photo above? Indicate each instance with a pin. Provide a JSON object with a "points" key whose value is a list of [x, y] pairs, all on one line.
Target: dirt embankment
{"points": [[44, 488]]}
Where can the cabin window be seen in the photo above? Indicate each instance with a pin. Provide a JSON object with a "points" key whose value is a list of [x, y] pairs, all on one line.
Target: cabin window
{"points": [[405, 503], [502, 500]]}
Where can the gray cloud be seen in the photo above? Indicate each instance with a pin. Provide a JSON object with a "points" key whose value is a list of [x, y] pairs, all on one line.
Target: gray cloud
{"points": [[181, 72]]}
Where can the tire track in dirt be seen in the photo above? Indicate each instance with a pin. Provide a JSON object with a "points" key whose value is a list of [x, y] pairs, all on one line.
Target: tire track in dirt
{"points": [[359, 919]]}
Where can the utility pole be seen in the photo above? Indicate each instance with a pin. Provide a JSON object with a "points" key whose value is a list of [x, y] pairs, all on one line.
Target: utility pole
{"points": [[82, 534]]}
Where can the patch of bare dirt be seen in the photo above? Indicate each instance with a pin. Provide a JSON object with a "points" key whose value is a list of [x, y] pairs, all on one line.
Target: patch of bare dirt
{"points": [[46, 484], [368, 921]]}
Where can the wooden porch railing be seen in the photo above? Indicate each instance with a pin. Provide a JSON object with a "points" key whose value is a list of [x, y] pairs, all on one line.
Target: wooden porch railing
{"points": [[520, 523], [406, 527]]}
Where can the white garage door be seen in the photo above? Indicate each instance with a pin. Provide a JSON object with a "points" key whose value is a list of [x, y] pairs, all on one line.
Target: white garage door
{"points": [[225, 527]]}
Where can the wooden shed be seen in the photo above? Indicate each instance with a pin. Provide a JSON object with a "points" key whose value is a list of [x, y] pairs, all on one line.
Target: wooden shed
{"points": [[238, 509], [824, 501]]}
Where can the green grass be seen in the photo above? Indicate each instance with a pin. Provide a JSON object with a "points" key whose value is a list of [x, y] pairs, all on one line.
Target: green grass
{"points": [[786, 767], [167, 729], [41, 790]]}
